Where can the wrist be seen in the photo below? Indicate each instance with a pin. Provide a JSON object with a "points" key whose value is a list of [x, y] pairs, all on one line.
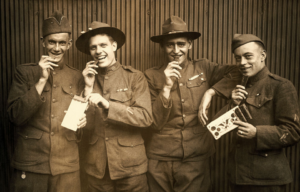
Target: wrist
{"points": [[211, 92]]}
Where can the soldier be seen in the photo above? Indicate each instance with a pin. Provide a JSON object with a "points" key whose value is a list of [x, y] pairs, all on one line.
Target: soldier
{"points": [[45, 153], [257, 161], [179, 146], [120, 108]]}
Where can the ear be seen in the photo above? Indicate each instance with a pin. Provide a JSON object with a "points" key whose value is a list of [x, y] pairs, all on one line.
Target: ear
{"points": [[263, 55], [69, 44], [43, 42], [190, 44], [115, 45]]}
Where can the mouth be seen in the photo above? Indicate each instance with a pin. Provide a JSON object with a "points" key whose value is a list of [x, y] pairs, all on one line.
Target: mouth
{"points": [[244, 69], [176, 57], [101, 57]]}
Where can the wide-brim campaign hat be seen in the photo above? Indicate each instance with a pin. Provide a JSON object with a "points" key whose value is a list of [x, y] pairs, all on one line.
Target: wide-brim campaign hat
{"points": [[175, 27], [96, 27]]}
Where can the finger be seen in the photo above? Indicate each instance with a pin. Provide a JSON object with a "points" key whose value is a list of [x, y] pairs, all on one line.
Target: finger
{"points": [[243, 129], [177, 72], [240, 86], [242, 91], [92, 66], [174, 75], [172, 65], [241, 123], [44, 57], [83, 117], [93, 71], [203, 120], [204, 116]]}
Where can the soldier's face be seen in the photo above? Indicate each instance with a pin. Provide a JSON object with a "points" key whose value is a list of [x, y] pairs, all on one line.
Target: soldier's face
{"points": [[57, 45], [177, 48], [102, 49], [250, 58]]}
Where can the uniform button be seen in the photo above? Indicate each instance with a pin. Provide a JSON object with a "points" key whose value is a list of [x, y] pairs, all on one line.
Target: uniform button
{"points": [[71, 93], [180, 84], [52, 116], [183, 115], [53, 100], [106, 77], [259, 105], [106, 138], [26, 137], [104, 92], [182, 100], [54, 73], [70, 87], [257, 94], [54, 86], [131, 145], [52, 133], [266, 155], [202, 79]]}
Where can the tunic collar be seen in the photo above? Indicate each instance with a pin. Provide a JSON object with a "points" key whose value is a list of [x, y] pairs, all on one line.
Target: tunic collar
{"points": [[110, 69], [260, 75]]}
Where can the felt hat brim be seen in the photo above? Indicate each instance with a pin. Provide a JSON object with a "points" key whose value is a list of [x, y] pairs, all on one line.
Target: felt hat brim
{"points": [[82, 43], [189, 35]]}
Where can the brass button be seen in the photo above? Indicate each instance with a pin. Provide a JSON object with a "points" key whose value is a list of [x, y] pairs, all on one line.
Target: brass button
{"points": [[54, 73], [106, 138], [266, 155], [70, 87], [54, 86], [182, 100], [26, 137], [53, 100], [183, 115], [52, 116], [104, 92], [106, 77], [180, 84], [52, 133]]}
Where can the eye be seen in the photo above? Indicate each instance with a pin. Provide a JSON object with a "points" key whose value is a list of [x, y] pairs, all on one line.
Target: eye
{"points": [[103, 45], [51, 42], [248, 56], [169, 45], [92, 47], [181, 44], [237, 58], [63, 43]]}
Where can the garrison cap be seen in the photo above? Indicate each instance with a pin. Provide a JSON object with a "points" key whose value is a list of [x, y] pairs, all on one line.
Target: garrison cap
{"points": [[175, 27], [241, 39], [56, 23]]}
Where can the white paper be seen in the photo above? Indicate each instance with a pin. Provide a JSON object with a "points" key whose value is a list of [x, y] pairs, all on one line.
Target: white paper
{"points": [[74, 113], [223, 124]]}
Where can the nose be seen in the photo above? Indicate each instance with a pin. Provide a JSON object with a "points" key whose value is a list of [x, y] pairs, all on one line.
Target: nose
{"points": [[243, 61], [98, 51], [176, 49], [56, 48]]}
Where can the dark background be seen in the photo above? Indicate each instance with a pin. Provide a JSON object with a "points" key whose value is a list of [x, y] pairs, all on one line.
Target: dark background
{"points": [[276, 22]]}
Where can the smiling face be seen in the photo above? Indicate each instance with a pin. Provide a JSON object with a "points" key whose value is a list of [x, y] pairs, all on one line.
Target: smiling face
{"points": [[56, 45], [102, 49], [177, 48], [251, 58]]}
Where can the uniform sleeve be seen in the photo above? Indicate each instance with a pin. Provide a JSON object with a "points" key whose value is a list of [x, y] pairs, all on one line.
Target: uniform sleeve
{"points": [[139, 114], [23, 99], [161, 106], [222, 78], [286, 130]]}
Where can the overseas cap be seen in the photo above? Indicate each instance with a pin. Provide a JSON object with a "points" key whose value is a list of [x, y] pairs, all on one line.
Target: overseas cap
{"points": [[56, 23], [175, 27], [241, 39]]}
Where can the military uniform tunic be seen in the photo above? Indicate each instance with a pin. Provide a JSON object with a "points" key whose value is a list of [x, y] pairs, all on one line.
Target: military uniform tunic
{"points": [[42, 145], [177, 134], [273, 104], [116, 140]]}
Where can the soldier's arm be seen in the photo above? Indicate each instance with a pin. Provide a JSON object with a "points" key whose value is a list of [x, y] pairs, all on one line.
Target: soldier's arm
{"points": [[139, 114], [161, 106], [23, 99], [286, 130]]}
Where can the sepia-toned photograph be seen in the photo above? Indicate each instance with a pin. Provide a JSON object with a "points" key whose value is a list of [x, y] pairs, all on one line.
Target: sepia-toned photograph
{"points": [[150, 96]]}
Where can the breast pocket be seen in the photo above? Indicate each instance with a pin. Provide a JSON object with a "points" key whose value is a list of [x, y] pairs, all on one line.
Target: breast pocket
{"points": [[197, 87], [123, 97]]}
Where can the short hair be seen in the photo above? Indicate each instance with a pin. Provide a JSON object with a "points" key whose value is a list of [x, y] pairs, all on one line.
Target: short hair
{"points": [[103, 34], [262, 46], [163, 41]]}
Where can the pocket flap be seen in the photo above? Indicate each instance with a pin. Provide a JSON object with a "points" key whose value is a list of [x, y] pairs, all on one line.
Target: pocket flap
{"points": [[93, 139], [30, 133], [130, 142], [71, 136], [121, 96], [266, 153], [196, 82], [258, 102], [68, 89]]}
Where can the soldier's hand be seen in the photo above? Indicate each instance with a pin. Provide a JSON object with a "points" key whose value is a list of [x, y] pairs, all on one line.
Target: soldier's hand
{"points": [[171, 73], [96, 100], [89, 73], [46, 64], [204, 106], [82, 122], [238, 94], [245, 130]]}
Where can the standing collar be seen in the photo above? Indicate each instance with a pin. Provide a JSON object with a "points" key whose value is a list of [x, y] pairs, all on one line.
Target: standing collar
{"points": [[110, 69], [260, 75]]}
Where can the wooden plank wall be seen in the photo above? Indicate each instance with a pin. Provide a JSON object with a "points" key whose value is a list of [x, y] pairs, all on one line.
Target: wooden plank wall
{"points": [[277, 22]]}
